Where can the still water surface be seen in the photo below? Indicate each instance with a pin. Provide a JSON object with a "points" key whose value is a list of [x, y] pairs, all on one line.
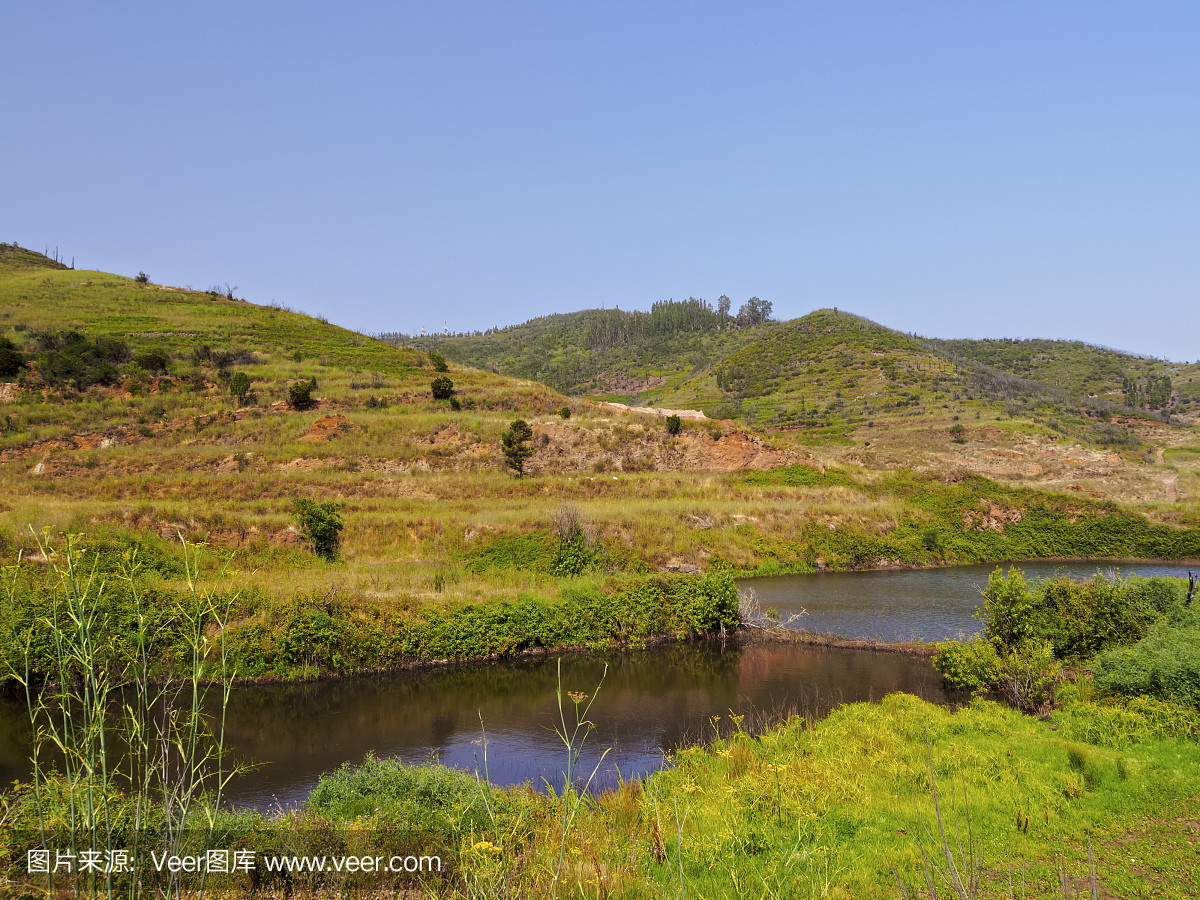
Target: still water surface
{"points": [[928, 604], [651, 701]]}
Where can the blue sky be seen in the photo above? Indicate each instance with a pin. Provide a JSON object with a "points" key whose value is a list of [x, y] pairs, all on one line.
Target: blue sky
{"points": [[959, 169]]}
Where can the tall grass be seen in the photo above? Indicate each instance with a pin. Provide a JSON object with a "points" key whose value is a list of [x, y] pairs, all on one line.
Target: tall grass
{"points": [[125, 760]]}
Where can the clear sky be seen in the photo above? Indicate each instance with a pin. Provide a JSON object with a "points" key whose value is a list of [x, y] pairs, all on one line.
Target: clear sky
{"points": [[959, 168]]}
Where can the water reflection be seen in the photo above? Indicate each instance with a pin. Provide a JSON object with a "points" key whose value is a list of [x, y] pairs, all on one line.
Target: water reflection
{"points": [[650, 702]]}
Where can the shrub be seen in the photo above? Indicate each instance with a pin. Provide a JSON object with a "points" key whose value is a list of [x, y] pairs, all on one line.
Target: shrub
{"points": [[11, 359], [428, 798], [1164, 664], [958, 434], [1079, 618], [439, 362], [300, 393], [142, 278], [442, 387], [515, 444], [153, 361], [565, 412], [69, 356], [576, 550], [239, 386], [931, 540], [1029, 675], [974, 666], [674, 424], [320, 524], [1010, 611]]}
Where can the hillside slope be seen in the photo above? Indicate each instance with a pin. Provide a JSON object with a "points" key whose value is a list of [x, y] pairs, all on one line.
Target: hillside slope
{"points": [[1085, 370], [606, 353]]}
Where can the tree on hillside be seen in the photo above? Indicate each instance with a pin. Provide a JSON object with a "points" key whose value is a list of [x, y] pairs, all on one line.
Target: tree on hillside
{"points": [[320, 524], [723, 304], [239, 386], [300, 394], [1159, 391], [515, 443], [754, 312], [442, 388]]}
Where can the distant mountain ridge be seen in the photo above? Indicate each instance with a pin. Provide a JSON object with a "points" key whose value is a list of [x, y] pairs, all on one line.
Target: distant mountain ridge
{"points": [[811, 369]]}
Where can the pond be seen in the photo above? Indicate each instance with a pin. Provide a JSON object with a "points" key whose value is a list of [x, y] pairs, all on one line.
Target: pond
{"points": [[650, 701]]}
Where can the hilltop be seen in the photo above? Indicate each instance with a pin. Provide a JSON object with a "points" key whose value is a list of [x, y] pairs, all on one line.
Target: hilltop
{"points": [[608, 353]]}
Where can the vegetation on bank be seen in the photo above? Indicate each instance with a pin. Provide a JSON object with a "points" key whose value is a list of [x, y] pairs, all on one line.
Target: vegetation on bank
{"points": [[1138, 635], [138, 611]]}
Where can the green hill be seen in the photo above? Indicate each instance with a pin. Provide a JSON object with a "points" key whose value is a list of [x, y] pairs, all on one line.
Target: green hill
{"points": [[14, 256], [811, 370], [607, 353], [1086, 370]]}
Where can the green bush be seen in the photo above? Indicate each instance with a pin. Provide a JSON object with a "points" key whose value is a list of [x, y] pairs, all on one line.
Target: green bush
{"points": [[239, 386], [1164, 664], [1080, 618], [320, 524], [11, 359], [565, 412], [300, 393], [153, 361], [439, 362], [67, 357], [442, 388], [433, 807], [1029, 676], [674, 424], [974, 666]]}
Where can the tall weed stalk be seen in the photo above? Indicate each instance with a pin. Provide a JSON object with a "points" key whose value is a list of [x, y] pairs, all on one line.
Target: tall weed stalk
{"points": [[170, 768], [573, 739]]}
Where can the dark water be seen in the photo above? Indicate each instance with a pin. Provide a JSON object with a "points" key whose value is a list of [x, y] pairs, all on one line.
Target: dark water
{"points": [[650, 702], [928, 604]]}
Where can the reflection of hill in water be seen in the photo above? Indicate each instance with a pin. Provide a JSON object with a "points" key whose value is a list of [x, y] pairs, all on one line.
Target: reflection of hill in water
{"points": [[650, 701]]}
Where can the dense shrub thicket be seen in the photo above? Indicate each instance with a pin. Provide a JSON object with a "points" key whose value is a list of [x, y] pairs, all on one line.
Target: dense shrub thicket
{"points": [[1142, 636]]}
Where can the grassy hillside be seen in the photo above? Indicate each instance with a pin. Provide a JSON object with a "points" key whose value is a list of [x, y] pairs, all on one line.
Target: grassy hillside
{"points": [[144, 417], [124, 421]]}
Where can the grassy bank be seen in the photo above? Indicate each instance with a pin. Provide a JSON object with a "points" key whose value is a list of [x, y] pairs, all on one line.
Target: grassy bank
{"points": [[138, 608]]}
